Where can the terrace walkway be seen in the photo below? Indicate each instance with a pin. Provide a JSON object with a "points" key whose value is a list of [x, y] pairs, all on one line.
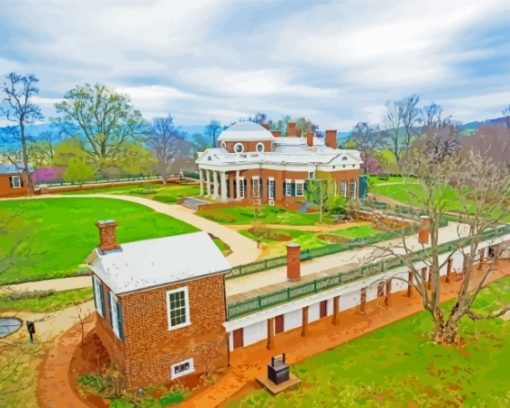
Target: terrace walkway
{"points": [[250, 362], [361, 256]]}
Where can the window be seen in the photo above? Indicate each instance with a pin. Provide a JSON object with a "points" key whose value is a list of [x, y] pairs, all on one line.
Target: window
{"points": [[343, 188], [300, 190], [260, 147], [178, 308], [182, 368], [115, 315], [223, 145], [16, 182], [238, 148], [98, 295], [270, 188], [288, 187], [241, 187], [311, 175], [352, 189]]}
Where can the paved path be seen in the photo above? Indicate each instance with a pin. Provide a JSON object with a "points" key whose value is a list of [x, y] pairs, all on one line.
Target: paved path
{"points": [[76, 282], [311, 228]]}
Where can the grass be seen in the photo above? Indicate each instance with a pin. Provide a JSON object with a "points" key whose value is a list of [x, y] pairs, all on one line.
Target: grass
{"points": [[44, 302], [307, 239], [397, 366], [59, 233], [267, 215], [166, 194]]}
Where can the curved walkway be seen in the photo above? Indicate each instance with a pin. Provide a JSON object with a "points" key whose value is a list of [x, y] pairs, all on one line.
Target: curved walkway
{"points": [[244, 250], [309, 228]]}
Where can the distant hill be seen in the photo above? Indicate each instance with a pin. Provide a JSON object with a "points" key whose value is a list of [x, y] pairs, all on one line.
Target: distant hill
{"points": [[471, 127]]}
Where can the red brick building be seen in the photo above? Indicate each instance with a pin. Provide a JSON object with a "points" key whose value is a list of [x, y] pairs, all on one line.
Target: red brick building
{"points": [[251, 162], [160, 310], [13, 182]]}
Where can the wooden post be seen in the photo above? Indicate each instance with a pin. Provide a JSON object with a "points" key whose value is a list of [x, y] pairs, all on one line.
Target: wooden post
{"points": [[429, 280], [304, 326], [409, 284], [482, 256], [387, 297], [448, 269], [363, 300], [336, 307], [270, 333]]}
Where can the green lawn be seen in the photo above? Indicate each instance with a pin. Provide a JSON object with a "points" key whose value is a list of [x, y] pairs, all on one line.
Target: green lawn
{"points": [[165, 194], [59, 233], [307, 239], [397, 366], [45, 302], [267, 215]]}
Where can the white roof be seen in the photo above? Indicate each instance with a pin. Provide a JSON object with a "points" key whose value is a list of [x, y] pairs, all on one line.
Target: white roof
{"points": [[245, 131], [154, 262]]}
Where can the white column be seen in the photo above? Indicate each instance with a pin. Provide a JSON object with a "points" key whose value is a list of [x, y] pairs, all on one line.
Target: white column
{"points": [[238, 187], [215, 179], [224, 186], [201, 182], [208, 179]]}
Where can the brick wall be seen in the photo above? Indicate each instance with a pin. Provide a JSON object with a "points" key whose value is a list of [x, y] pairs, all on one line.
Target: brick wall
{"points": [[151, 349], [7, 191]]}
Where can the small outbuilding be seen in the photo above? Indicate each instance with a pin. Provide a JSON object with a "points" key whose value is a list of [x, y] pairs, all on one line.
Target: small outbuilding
{"points": [[13, 180], [160, 305]]}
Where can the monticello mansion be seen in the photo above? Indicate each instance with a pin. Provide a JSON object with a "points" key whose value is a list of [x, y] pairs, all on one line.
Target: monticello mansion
{"points": [[253, 163]]}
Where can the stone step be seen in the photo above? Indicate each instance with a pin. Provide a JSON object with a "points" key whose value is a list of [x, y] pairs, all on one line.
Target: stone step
{"points": [[192, 203]]}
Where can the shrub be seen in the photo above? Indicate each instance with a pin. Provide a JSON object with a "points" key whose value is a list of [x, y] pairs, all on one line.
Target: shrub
{"points": [[172, 398]]}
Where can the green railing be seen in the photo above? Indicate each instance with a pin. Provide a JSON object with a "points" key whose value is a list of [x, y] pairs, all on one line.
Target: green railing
{"points": [[258, 303], [325, 250]]}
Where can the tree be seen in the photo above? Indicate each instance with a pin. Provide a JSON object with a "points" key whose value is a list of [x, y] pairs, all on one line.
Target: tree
{"points": [[317, 191], [213, 129], [67, 151], [162, 140], [367, 139], [402, 118], [303, 126], [281, 125], [200, 142], [19, 91], [506, 112], [101, 120], [41, 152], [79, 171], [482, 188], [259, 118]]}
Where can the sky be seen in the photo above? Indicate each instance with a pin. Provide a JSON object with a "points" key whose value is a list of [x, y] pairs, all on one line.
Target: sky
{"points": [[333, 62]]}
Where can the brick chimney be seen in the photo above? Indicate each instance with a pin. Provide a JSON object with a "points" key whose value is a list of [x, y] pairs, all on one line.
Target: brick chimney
{"points": [[276, 133], [424, 230], [309, 138], [291, 129], [265, 125], [293, 262], [107, 237], [330, 138]]}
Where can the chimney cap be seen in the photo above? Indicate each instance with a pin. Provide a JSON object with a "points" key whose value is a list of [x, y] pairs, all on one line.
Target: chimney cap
{"points": [[293, 245], [105, 222]]}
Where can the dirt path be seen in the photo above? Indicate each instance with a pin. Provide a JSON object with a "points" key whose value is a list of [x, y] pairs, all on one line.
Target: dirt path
{"points": [[250, 362], [310, 228], [58, 285]]}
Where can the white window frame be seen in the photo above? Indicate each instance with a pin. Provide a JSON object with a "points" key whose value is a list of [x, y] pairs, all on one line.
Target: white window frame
{"points": [[353, 191], [113, 313], [272, 188], [257, 147], [187, 322], [182, 373], [16, 181], [302, 184], [288, 187], [255, 186], [223, 145], [97, 295], [242, 192], [235, 148]]}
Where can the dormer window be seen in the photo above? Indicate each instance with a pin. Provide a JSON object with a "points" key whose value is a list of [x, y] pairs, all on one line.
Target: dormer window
{"points": [[238, 148], [223, 145], [344, 158], [260, 147]]}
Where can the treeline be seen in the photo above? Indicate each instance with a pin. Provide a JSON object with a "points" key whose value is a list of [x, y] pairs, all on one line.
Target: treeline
{"points": [[96, 132]]}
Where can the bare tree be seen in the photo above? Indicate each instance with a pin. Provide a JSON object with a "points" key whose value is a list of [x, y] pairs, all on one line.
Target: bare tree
{"points": [[410, 117], [213, 130], [483, 189], [163, 139], [393, 123], [367, 138], [19, 91], [506, 112]]}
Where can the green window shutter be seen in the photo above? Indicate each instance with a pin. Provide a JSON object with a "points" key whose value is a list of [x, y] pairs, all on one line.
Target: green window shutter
{"points": [[94, 291], [293, 189], [101, 295], [119, 320], [10, 182], [110, 308]]}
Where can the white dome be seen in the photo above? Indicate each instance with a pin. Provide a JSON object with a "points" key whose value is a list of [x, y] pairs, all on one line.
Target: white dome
{"points": [[245, 131]]}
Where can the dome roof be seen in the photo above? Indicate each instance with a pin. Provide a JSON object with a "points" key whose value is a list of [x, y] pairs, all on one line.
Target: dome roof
{"points": [[245, 131]]}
